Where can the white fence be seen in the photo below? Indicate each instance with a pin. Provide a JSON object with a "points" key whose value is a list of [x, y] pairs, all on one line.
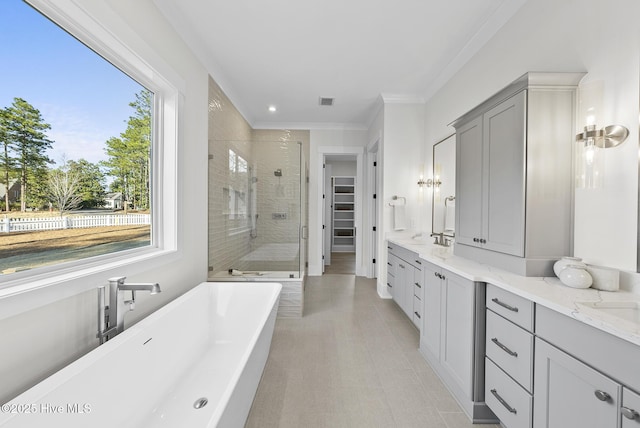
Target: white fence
{"points": [[73, 222]]}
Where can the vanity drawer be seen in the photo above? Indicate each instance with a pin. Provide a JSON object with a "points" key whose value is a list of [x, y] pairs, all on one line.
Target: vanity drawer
{"points": [[418, 289], [514, 308], [417, 312], [511, 348], [511, 404]]}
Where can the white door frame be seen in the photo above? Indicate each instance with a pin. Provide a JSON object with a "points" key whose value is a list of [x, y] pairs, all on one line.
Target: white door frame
{"points": [[372, 209], [323, 151]]}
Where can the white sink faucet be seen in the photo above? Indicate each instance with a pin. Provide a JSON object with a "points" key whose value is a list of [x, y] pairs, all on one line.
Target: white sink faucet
{"points": [[111, 317]]}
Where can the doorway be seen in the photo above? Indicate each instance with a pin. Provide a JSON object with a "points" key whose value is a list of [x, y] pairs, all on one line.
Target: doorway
{"points": [[340, 213]]}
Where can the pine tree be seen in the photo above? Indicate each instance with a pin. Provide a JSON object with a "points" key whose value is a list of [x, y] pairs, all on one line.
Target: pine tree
{"points": [[26, 136], [129, 155], [7, 157]]}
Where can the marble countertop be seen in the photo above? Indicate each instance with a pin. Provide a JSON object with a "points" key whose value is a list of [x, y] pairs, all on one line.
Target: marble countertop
{"points": [[545, 291]]}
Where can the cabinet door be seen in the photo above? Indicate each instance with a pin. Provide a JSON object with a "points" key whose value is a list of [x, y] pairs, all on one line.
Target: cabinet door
{"points": [[469, 183], [457, 330], [630, 409], [571, 394], [503, 180], [430, 333]]}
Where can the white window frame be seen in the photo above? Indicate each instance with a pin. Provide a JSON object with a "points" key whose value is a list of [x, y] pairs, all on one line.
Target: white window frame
{"points": [[23, 291]]}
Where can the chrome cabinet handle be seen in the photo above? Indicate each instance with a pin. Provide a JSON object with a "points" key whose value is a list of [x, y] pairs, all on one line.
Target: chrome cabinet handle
{"points": [[417, 314], [629, 413], [389, 285], [602, 396], [419, 262], [419, 286], [504, 305], [504, 403], [402, 266], [504, 348]]}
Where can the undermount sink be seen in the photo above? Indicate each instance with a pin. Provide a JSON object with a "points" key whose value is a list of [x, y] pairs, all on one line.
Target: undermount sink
{"points": [[626, 310]]}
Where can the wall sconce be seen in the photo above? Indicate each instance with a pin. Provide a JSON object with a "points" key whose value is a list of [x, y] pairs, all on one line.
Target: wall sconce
{"points": [[590, 153], [429, 183]]}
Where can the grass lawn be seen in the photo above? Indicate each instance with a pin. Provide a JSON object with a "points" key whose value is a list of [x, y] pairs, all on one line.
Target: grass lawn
{"points": [[33, 249]]}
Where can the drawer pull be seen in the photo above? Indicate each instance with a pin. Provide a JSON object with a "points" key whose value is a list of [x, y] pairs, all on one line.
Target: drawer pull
{"points": [[389, 285], [418, 285], [504, 305], [504, 403], [389, 264], [602, 396], [402, 266], [417, 314], [629, 413], [419, 262], [504, 348]]}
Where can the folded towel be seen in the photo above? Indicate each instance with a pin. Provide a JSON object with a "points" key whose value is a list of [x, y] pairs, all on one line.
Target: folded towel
{"points": [[399, 217]]}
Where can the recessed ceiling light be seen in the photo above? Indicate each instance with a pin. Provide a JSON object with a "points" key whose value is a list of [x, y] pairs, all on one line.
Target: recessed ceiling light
{"points": [[272, 109]]}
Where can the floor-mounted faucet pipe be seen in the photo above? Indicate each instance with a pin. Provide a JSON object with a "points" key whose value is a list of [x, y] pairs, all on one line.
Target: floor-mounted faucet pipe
{"points": [[111, 317]]}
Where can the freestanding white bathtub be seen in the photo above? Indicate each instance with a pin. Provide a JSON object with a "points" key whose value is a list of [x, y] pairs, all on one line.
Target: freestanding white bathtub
{"points": [[210, 344]]}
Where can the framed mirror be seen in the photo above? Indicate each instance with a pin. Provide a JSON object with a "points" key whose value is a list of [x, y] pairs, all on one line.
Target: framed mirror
{"points": [[443, 187]]}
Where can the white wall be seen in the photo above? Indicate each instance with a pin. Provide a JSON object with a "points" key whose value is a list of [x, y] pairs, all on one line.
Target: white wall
{"points": [[342, 168], [38, 342], [601, 38], [402, 153]]}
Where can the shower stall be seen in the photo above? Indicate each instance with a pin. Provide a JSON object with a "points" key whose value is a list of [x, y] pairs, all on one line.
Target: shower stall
{"points": [[257, 211]]}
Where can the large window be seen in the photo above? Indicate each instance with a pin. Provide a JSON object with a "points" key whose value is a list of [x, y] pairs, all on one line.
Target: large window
{"points": [[76, 143]]}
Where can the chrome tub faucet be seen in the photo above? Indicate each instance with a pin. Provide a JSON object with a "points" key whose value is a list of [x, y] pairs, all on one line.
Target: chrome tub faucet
{"points": [[111, 316]]}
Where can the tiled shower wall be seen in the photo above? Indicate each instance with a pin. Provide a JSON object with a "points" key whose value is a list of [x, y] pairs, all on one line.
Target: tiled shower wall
{"points": [[279, 204]]}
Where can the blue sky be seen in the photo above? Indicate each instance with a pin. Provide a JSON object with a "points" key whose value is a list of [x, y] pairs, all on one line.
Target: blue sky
{"points": [[83, 97]]}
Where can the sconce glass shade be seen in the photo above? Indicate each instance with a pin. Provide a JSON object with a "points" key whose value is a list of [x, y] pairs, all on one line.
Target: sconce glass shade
{"points": [[591, 145], [589, 164]]}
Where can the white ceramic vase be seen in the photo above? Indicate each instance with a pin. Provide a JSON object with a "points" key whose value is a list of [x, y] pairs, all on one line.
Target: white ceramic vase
{"points": [[575, 276], [566, 261]]}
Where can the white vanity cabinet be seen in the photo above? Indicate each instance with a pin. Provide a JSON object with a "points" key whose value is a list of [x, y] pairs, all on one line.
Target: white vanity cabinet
{"points": [[490, 200], [572, 394], [452, 336], [630, 409], [584, 377], [404, 281], [509, 357], [392, 263], [513, 175]]}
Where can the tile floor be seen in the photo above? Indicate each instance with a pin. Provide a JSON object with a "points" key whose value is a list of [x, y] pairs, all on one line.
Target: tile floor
{"points": [[351, 361], [341, 263]]}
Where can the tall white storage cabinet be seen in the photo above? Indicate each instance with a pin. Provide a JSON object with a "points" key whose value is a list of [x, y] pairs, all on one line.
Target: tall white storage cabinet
{"points": [[514, 181], [343, 228]]}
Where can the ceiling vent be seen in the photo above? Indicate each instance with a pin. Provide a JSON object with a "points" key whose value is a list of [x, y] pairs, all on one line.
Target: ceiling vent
{"points": [[326, 101]]}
